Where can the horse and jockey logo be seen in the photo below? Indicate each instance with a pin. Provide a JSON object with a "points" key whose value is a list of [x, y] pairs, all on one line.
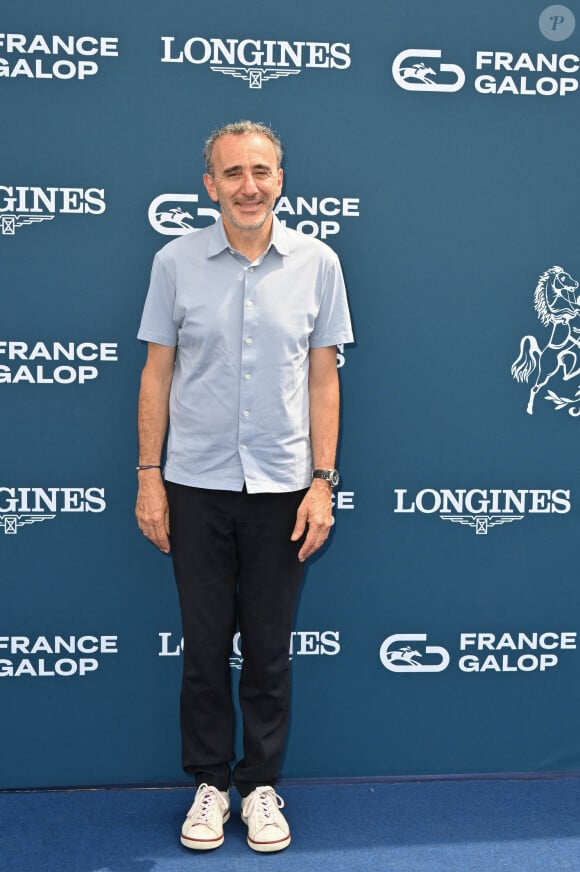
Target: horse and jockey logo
{"points": [[168, 216], [176, 217], [406, 654], [419, 71], [557, 303], [419, 76], [397, 657]]}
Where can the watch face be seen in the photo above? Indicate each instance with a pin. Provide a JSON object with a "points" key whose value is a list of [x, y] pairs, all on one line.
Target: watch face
{"points": [[330, 475]]}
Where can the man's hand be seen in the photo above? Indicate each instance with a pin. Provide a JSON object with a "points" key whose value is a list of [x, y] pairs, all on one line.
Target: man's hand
{"points": [[152, 509], [314, 512]]}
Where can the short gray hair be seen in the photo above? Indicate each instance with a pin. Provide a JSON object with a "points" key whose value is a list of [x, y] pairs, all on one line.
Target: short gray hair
{"points": [[239, 128]]}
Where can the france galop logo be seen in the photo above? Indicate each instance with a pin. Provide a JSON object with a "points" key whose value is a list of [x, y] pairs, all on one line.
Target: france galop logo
{"points": [[421, 76], [557, 304]]}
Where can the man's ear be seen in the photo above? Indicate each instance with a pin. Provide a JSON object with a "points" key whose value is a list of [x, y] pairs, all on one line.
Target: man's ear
{"points": [[210, 187]]}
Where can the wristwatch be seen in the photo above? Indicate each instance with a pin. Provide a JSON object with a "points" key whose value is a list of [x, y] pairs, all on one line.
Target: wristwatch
{"points": [[329, 475]]}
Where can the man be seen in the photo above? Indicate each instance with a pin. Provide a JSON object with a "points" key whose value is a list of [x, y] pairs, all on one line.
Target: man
{"points": [[242, 320]]}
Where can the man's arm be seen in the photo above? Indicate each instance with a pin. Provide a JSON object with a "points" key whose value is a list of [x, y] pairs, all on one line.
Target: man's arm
{"points": [[153, 417], [315, 509]]}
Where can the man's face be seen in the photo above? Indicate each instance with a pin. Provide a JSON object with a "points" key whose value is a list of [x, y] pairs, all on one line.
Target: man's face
{"points": [[245, 179]]}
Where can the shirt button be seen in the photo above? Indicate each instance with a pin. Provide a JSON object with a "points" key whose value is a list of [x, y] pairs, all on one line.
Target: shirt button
{"points": [[250, 269], [249, 340], [243, 447], [245, 413], [247, 376], [249, 304]]}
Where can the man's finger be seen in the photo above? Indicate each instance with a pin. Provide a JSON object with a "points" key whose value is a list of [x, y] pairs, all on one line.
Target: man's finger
{"points": [[315, 538], [299, 527], [157, 533]]}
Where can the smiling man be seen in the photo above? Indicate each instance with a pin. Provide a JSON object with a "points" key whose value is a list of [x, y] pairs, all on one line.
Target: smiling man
{"points": [[242, 320]]}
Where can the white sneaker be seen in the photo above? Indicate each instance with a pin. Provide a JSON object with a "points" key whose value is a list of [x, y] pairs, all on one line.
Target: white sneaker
{"points": [[268, 829], [203, 828]]}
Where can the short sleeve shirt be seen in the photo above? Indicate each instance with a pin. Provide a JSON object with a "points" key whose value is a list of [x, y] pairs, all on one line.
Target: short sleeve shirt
{"points": [[239, 405]]}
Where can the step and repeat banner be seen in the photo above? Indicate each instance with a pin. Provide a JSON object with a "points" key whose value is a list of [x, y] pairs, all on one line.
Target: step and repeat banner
{"points": [[435, 148]]}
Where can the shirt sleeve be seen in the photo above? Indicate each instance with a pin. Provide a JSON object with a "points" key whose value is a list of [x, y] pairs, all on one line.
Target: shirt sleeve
{"points": [[333, 325], [157, 322]]}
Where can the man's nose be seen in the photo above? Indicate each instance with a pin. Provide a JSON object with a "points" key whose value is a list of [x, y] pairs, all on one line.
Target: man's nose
{"points": [[249, 184]]}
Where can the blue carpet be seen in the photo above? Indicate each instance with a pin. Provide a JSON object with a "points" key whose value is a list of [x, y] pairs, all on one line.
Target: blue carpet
{"points": [[468, 826]]}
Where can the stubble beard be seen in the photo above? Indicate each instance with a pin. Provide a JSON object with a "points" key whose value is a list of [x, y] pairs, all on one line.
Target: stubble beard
{"points": [[241, 225]]}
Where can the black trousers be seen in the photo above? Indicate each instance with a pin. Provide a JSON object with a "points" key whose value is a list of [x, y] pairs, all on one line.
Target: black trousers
{"points": [[235, 565]]}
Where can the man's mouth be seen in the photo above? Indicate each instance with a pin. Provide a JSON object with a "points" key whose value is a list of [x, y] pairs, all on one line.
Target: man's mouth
{"points": [[249, 204]]}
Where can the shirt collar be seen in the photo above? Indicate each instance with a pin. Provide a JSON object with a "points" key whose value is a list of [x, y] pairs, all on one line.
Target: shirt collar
{"points": [[218, 240], [280, 237]]}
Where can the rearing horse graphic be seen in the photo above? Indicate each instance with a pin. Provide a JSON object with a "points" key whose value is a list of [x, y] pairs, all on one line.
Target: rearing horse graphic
{"points": [[556, 303]]}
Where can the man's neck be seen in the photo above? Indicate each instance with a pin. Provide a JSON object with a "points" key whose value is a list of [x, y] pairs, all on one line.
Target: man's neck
{"points": [[250, 243]]}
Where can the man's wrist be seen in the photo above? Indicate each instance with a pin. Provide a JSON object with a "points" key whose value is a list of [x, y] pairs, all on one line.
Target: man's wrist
{"points": [[318, 484]]}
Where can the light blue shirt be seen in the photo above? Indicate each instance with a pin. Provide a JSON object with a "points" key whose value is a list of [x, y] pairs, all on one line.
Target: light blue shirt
{"points": [[239, 406]]}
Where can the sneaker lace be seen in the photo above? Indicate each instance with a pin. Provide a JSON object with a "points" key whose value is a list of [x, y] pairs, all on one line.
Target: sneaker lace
{"points": [[264, 803], [204, 804]]}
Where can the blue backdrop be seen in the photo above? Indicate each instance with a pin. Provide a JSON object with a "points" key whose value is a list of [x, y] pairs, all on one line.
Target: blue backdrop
{"points": [[436, 151]]}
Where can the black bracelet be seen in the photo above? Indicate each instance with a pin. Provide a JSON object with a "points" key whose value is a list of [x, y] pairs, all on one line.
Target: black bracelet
{"points": [[148, 466]]}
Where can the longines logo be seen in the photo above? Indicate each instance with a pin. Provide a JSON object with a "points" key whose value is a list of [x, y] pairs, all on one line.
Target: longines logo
{"points": [[20, 205], [496, 72], [477, 652], [557, 305], [21, 506], [483, 509], [302, 642], [256, 61], [53, 57]]}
